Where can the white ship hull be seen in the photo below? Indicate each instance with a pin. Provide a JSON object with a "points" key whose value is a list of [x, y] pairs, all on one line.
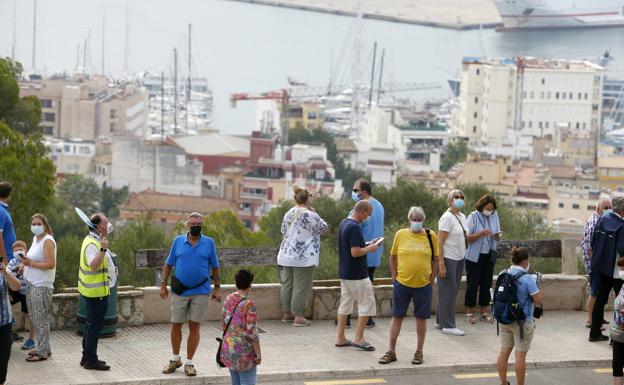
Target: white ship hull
{"points": [[527, 14]]}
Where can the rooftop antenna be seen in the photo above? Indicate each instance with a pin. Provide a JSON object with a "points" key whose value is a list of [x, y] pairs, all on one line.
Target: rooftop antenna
{"points": [[14, 30], [34, 45], [126, 37], [188, 84], [370, 91]]}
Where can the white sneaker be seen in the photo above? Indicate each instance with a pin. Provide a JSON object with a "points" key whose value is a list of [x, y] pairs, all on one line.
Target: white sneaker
{"points": [[437, 325], [453, 331]]}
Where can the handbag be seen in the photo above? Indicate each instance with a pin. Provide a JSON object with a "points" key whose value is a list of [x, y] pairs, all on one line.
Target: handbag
{"points": [[220, 339], [178, 287]]}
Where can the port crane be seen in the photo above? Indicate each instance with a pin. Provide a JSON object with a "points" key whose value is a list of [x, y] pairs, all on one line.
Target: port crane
{"points": [[285, 95]]}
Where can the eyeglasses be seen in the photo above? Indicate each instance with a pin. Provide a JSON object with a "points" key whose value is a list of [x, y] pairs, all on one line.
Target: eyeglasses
{"points": [[356, 190], [458, 197]]}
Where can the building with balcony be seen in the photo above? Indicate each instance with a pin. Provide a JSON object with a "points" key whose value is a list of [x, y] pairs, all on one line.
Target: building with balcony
{"points": [[88, 107], [72, 156]]}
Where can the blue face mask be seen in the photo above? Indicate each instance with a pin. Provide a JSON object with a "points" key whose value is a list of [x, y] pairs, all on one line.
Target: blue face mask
{"points": [[458, 203], [355, 196], [606, 212], [416, 226]]}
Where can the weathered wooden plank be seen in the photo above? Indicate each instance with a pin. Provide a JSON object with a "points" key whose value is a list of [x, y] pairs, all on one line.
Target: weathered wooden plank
{"points": [[243, 256], [546, 248]]}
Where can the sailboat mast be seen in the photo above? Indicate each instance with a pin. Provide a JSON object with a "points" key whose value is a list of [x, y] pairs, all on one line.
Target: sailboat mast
{"points": [[126, 37], [370, 91], [34, 45], [14, 30], [175, 90], [381, 64], [162, 106], [188, 84], [103, 37]]}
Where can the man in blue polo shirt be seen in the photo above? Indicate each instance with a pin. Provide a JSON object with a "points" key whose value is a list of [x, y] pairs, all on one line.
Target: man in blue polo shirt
{"points": [[6, 224], [193, 256]]}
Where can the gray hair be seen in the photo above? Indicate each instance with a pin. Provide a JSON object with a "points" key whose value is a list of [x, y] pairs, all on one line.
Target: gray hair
{"points": [[195, 214], [416, 211], [449, 197], [601, 202], [618, 205]]}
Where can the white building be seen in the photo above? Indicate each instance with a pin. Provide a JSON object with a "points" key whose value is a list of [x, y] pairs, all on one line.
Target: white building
{"points": [[552, 93], [71, 156]]}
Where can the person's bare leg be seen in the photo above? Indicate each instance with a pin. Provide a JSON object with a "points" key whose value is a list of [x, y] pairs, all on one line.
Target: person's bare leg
{"points": [[421, 331], [342, 321], [520, 367], [176, 338], [31, 328], [193, 340], [359, 333], [395, 330], [618, 380], [502, 364]]}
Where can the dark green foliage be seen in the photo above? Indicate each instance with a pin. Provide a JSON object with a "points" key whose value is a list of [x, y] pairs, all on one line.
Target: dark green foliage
{"points": [[454, 152]]}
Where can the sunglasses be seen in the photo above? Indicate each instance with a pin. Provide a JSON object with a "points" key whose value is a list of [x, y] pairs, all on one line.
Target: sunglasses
{"points": [[356, 190], [458, 197]]}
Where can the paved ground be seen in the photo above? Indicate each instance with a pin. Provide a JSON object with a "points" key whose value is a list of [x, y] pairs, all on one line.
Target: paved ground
{"points": [[555, 376], [294, 355]]}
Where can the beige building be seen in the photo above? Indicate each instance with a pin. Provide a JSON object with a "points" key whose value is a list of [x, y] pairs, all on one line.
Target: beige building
{"points": [[611, 173], [554, 93], [88, 107]]}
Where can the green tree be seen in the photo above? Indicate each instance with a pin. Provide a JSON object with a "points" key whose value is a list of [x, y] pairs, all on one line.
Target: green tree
{"points": [[454, 152], [21, 114], [111, 198], [24, 164], [80, 191]]}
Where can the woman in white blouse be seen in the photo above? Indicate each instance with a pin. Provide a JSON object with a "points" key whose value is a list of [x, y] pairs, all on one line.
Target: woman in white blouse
{"points": [[39, 272], [299, 255]]}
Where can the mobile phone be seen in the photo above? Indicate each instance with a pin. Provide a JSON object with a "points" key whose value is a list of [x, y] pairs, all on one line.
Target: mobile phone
{"points": [[379, 241]]}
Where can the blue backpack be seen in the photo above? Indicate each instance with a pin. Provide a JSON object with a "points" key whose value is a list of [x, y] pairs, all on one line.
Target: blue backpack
{"points": [[506, 307]]}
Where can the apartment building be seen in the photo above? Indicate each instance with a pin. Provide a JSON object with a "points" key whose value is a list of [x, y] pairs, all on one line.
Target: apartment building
{"points": [[548, 93], [88, 107]]}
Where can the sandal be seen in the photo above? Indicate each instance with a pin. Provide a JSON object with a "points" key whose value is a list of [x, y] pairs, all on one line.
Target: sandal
{"points": [[388, 358], [470, 319], [35, 358], [418, 358], [485, 317]]}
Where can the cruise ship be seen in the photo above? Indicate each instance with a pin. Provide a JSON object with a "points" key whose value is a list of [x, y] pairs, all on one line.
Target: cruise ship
{"points": [[528, 14]]}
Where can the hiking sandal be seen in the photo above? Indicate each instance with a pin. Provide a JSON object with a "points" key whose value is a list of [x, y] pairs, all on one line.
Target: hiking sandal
{"points": [[418, 358], [470, 318], [388, 358], [485, 317]]}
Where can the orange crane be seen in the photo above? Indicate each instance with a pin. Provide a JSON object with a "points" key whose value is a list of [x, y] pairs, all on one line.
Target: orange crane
{"points": [[286, 94]]}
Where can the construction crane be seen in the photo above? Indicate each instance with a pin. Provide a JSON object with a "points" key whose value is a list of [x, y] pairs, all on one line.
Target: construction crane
{"points": [[285, 95]]}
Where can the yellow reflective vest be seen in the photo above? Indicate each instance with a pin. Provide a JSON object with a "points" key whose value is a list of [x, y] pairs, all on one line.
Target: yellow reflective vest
{"points": [[92, 284]]}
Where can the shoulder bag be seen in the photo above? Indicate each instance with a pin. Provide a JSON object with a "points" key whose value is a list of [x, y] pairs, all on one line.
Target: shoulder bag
{"points": [[220, 339], [463, 229]]}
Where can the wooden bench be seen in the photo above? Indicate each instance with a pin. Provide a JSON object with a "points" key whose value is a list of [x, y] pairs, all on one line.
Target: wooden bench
{"points": [[242, 256]]}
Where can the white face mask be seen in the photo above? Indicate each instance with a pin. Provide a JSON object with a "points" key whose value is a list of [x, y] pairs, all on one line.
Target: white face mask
{"points": [[487, 213], [37, 229], [528, 267], [109, 228], [621, 274], [18, 254]]}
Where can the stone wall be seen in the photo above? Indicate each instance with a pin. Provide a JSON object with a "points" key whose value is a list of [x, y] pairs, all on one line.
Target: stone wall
{"points": [[140, 306]]}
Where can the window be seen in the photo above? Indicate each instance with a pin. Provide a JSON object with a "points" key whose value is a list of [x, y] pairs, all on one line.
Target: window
{"points": [[532, 95], [546, 124], [474, 129], [580, 96], [556, 95], [47, 130], [84, 150], [524, 94], [548, 95], [48, 117], [585, 96], [113, 114], [561, 205], [46, 103], [563, 95], [591, 207], [312, 115], [475, 114], [584, 125], [570, 95], [478, 71], [540, 124], [476, 99], [523, 124], [575, 206], [530, 124], [543, 81]]}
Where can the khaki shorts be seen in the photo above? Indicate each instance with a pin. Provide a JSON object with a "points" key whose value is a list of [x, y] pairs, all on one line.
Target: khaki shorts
{"points": [[360, 291], [510, 336], [191, 308]]}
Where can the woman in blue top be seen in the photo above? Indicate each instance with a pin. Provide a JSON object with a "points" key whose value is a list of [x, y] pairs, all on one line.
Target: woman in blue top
{"points": [[483, 234]]}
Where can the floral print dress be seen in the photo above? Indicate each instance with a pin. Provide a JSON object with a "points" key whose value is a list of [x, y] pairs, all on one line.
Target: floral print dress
{"points": [[237, 352]]}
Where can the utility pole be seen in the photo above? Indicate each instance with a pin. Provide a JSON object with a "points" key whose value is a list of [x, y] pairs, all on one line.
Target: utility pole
{"points": [[34, 45], [370, 91]]}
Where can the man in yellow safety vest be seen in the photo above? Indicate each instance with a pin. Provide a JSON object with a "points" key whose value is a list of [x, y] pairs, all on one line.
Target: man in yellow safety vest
{"points": [[93, 286]]}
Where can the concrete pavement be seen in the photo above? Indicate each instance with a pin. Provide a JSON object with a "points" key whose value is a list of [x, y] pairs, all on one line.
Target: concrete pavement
{"points": [[137, 355]]}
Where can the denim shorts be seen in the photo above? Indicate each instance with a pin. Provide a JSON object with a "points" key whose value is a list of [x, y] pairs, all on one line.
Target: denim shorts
{"points": [[421, 296]]}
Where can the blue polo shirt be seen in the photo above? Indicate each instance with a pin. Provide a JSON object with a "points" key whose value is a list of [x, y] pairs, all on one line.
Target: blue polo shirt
{"points": [[8, 232], [192, 264]]}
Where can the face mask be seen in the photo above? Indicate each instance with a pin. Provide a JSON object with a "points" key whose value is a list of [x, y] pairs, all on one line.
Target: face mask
{"points": [[355, 196], [109, 228], [487, 213], [37, 230], [18, 254], [528, 267], [606, 212], [621, 274], [196, 230], [416, 226], [458, 203]]}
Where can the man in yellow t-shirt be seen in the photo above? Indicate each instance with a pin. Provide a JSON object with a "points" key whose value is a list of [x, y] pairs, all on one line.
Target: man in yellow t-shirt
{"points": [[413, 264]]}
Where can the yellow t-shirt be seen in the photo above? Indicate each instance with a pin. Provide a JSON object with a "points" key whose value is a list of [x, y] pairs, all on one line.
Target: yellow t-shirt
{"points": [[413, 257]]}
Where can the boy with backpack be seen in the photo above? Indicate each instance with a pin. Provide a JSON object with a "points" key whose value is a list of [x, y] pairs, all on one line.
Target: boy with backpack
{"points": [[516, 294]]}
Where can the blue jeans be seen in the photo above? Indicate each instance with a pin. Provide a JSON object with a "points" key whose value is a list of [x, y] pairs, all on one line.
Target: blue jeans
{"points": [[247, 377]]}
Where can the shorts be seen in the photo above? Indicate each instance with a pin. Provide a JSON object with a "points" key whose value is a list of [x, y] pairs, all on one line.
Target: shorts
{"points": [[16, 297], [360, 291], [191, 308], [421, 296], [510, 336]]}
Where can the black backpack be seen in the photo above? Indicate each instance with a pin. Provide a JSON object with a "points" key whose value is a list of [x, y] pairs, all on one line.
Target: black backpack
{"points": [[506, 307]]}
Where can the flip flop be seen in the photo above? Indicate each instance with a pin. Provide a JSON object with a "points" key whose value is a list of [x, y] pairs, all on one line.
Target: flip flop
{"points": [[344, 344], [365, 346]]}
